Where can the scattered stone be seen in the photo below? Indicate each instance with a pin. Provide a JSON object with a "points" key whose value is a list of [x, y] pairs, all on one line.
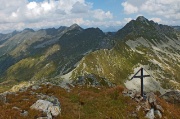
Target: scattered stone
{"points": [[32, 93], [138, 108], [42, 118], [125, 91], [147, 103], [25, 99], [24, 113], [134, 114], [3, 97], [151, 98], [23, 89], [16, 108], [150, 114], [158, 107], [158, 114], [35, 87]]}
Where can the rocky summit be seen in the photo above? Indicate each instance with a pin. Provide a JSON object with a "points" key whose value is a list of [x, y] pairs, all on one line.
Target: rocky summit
{"points": [[71, 72]]}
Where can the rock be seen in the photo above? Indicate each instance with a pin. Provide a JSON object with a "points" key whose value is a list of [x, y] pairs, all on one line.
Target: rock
{"points": [[42, 118], [3, 97], [150, 114], [55, 110], [24, 113], [158, 114], [138, 97], [138, 108], [151, 97], [49, 116], [41, 105], [16, 108], [158, 107], [146, 106], [125, 91], [23, 89], [134, 114], [132, 93], [32, 93], [51, 108], [35, 87]]}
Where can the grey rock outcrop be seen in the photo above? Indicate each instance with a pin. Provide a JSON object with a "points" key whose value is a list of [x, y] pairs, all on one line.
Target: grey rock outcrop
{"points": [[48, 104]]}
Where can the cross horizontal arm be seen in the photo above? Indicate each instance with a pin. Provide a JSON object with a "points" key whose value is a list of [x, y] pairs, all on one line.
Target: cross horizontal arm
{"points": [[141, 76]]}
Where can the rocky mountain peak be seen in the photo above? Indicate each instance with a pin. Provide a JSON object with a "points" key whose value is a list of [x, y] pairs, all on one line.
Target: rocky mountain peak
{"points": [[142, 27], [75, 26], [142, 19]]}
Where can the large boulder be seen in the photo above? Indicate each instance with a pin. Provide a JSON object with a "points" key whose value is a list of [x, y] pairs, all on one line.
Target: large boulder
{"points": [[42, 105], [47, 107]]}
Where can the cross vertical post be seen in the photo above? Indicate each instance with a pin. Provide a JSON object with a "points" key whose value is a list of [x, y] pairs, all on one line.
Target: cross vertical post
{"points": [[142, 82]]}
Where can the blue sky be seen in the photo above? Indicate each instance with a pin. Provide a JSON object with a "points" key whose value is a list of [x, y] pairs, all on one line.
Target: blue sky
{"points": [[105, 14]]}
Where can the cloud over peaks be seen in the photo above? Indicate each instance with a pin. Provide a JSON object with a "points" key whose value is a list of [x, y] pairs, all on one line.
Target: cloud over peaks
{"points": [[20, 14]]}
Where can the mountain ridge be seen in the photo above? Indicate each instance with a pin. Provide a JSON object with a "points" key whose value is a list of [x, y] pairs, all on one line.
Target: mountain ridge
{"points": [[75, 52], [140, 43]]}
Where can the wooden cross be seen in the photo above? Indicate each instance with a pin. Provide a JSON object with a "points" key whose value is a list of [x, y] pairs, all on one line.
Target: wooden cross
{"points": [[141, 76]]}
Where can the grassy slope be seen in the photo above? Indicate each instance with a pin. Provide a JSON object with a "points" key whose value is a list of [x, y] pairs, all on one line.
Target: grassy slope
{"points": [[82, 102], [34, 68], [116, 64]]}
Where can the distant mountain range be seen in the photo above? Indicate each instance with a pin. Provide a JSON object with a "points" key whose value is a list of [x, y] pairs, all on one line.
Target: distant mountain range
{"points": [[176, 27], [68, 53]]}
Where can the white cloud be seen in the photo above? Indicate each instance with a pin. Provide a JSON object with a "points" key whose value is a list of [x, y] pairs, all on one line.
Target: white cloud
{"points": [[20, 14], [129, 8], [32, 5], [167, 11], [127, 20], [101, 15], [158, 20]]}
